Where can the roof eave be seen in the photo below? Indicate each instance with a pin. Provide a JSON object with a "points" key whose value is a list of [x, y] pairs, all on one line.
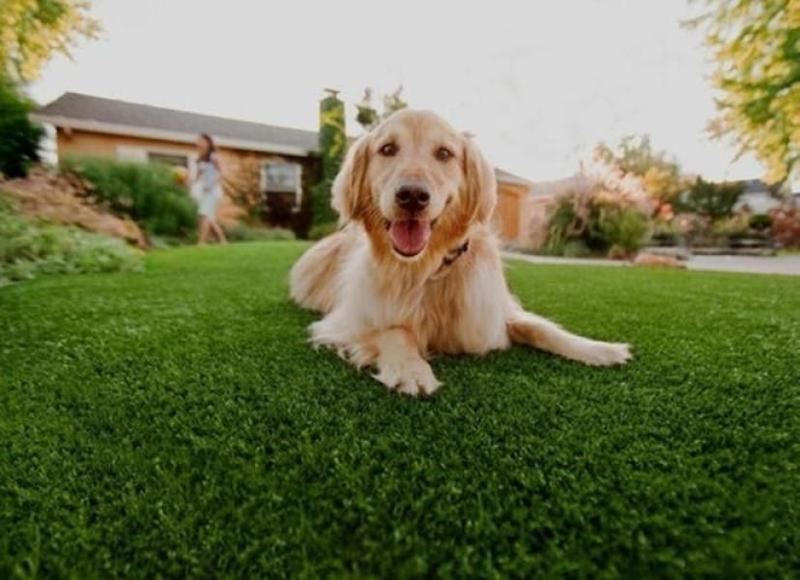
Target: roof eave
{"points": [[165, 135]]}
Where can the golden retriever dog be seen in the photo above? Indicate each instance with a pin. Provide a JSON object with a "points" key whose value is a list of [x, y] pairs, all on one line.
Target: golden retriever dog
{"points": [[416, 268]]}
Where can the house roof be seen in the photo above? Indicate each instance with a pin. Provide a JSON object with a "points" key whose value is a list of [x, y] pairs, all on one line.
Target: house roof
{"points": [[88, 112], [753, 186], [508, 177], [91, 113]]}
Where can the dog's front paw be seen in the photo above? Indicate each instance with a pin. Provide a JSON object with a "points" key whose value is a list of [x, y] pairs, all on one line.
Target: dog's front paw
{"points": [[605, 354], [411, 377]]}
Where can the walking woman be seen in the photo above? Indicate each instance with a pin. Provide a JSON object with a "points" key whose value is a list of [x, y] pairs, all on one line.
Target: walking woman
{"points": [[207, 188]]}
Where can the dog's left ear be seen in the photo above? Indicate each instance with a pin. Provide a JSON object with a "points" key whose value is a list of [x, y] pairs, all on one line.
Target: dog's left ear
{"points": [[349, 193], [480, 183]]}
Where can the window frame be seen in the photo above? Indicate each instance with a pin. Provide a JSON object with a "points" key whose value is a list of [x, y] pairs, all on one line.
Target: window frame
{"points": [[298, 189]]}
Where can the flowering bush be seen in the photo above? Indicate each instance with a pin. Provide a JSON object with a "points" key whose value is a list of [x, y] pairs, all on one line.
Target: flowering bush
{"points": [[606, 210], [785, 228]]}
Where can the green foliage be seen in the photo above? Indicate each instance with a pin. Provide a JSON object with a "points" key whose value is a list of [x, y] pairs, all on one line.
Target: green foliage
{"points": [[756, 46], [31, 31], [712, 200], [322, 230], [332, 147], [393, 102], [620, 228], [19, 137], [665, 233], [561, 227], [581, 225], [734, 227], [148, 193], [176, 423], [760, 222], [245, 233], [368, 116], [29, 249]]}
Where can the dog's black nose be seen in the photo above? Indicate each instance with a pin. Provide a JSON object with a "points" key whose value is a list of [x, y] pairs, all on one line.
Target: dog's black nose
{"points": [[412, 198]]}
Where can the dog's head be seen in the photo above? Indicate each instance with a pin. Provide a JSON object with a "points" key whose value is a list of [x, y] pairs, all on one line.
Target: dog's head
{"points": [[416, 184]]}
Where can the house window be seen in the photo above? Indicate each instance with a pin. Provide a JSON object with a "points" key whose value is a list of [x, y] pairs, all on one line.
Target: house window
{"points": [[170, 159], [282, 179]]}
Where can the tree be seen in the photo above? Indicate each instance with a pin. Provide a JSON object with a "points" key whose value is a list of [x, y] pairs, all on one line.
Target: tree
{"points": [[660, 174], [756, 46], [368, 116], [19, 137], [713, 200], [332, 146], [32, 31]]}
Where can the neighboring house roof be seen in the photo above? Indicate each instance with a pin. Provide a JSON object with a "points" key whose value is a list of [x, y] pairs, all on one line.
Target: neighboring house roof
{"points": [[753, 186], [559, 187], [507, 177], [757, 196], [99, 114]]}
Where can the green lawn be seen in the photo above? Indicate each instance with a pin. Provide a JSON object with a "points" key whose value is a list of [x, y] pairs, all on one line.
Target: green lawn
{"points": [[175, 422]]}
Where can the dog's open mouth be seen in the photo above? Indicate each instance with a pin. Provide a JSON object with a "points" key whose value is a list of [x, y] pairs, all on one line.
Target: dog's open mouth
{"points": [[409, 237]]}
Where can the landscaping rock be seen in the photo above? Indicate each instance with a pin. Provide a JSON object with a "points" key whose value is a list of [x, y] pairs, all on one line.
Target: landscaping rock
{"points": [[64, 200], [657, 261]]}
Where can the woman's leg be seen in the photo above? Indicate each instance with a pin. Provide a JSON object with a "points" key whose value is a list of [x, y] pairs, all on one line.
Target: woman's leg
{"points": [[202, 233], [218, 232]]}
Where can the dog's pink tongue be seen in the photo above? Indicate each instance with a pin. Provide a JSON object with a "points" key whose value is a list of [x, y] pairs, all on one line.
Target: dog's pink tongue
{"points": [[410, 236]]}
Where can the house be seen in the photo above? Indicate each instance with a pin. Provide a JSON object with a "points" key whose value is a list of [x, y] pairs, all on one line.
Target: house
{"points": [[510, 212], [286, 160], [758, 197]]}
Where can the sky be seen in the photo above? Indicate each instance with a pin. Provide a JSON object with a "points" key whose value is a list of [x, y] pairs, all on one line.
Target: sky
{"points": [[539, 82]]}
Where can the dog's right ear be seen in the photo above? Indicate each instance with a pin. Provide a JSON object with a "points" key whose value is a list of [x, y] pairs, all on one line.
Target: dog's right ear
{"points": [[350, 191]]}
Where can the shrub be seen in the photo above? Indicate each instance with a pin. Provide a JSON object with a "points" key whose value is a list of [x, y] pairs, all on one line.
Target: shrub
{"points": [[713, 200], [148, 193], [733, 228], [760, 222], [29, 249], [621, 229], [594, 222], [320, 231], [691, 228], [785, 228], [665, 233], [19, 137], [244, 233]]}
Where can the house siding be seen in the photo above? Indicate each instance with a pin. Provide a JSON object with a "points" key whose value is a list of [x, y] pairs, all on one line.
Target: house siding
{"points": [[80, 142]]}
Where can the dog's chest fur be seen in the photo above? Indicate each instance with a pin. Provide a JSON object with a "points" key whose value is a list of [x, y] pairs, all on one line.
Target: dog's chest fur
{"points": [[457, 309]]}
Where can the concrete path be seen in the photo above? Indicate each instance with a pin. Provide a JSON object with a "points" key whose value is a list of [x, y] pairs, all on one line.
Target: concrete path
{"points": [[788, 265]]}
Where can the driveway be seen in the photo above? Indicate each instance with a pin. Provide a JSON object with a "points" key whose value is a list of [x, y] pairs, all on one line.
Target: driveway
{"points": [[788, 265]]}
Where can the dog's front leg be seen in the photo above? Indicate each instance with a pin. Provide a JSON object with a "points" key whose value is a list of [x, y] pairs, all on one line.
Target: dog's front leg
{"points": [[400, 364]]}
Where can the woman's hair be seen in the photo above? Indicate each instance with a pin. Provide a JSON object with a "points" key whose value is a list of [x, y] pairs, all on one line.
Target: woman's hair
{"points": [[211, 147]]}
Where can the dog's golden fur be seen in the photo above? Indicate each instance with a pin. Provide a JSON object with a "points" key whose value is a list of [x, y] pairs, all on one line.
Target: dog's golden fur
{"points": [[390, 311]]}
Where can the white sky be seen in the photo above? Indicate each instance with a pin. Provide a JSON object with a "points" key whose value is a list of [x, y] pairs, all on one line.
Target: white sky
{"points": [[539, 82]]}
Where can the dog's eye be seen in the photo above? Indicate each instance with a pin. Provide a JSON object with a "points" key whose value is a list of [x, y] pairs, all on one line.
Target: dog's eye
{"points": [[443, 154], [388, 150]]}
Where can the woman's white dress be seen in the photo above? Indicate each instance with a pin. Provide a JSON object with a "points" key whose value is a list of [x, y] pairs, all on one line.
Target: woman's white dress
{"points": [[207, 189]]}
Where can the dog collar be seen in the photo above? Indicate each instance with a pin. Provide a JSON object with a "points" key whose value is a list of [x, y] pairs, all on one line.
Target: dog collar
{"points": [[452, 256]]}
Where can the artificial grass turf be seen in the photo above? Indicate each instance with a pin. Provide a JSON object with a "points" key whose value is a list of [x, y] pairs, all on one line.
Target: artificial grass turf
{"points": [[175, 422]]}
